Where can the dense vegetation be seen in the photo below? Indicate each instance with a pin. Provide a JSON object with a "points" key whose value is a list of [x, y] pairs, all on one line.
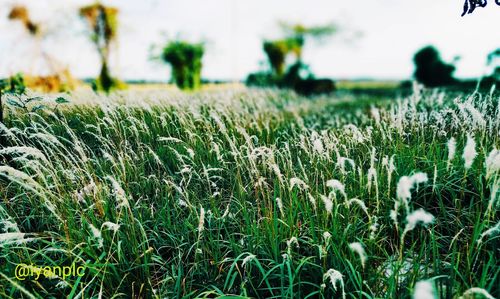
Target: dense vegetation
{"points": [[296, 76], [253, 193], [103, 23], [186, 61]]}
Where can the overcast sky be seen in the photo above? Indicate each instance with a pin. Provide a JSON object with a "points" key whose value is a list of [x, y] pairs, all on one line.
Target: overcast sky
{"points": [[377, 38]]}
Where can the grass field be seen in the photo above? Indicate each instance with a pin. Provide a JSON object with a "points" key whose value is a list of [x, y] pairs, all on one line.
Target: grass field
{"points": [[253, 193]]}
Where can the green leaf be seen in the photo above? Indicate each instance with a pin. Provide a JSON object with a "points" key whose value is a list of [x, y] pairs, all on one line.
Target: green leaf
{"points": [[61, 100], [33, 99], [14, 103], [38, 107]]}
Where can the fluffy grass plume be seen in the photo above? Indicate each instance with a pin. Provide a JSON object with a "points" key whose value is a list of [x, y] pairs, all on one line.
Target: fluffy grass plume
{"points": [[253, 194]]}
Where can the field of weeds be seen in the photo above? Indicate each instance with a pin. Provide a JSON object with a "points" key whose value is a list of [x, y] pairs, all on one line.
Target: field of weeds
{"points": [[252, 193]]}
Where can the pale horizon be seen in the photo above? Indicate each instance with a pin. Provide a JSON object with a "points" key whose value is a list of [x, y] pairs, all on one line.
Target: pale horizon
{"points": [[377, 40]]}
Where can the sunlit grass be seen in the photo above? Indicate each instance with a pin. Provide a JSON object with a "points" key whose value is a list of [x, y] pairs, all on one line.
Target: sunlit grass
{"points": [[253, 193]]}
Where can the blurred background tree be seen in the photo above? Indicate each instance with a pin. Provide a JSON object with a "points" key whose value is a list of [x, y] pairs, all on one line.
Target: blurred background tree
{"points": [[293, 43], [276, 52], [494, 62], [431, 71], [186, 62], [59, 78], [103, 22], [21, 13], [297, 75], [298, 34]]}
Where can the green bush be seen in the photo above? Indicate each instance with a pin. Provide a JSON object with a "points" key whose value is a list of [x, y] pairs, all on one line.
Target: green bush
{"points": [[186, 61], [431, 70]]}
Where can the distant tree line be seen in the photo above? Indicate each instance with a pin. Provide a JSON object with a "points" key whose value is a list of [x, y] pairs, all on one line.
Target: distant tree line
{"points": [[432, 71], [285, 65]]}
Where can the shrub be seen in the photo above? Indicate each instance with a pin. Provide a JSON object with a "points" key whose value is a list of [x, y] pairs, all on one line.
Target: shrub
{"points": [[186, 61], [431, 70]]}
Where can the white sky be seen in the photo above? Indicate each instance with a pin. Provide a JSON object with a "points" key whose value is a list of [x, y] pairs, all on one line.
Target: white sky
{"points": [[391, 32]]}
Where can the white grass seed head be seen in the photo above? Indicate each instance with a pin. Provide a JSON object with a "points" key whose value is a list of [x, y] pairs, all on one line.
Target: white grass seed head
{"points": [[336, 185], [469, 152], [360, 250], [424, 289], [416, 217], [335, 278], [492, 163], [452, 148], [328, 203]]}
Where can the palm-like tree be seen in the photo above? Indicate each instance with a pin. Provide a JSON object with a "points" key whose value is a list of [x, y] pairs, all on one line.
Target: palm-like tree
{"points": [[298, 34], [21, 13], [60, 77], [103, 23], [295, 38]]}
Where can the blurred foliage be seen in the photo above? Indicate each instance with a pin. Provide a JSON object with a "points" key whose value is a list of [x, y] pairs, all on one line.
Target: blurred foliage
{"points": [[60, 79], [14, 88], [21, 13], [494, 61], [297, 34], [276, 52], [294, 41], [297, 76], [105, 82], [431, 71], [63, 81], [12, 85], [186, 62], [103, 21]]}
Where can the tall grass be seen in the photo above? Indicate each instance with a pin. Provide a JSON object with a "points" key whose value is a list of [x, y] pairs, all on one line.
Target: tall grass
{"points": [[254, 193]]}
